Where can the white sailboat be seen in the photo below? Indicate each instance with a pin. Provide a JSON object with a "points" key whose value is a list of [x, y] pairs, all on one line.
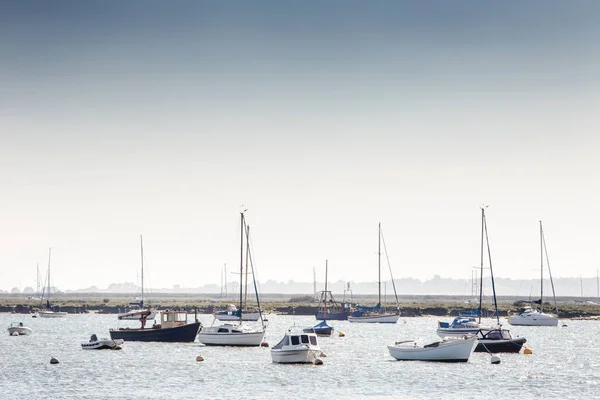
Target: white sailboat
{"points": [[48, 311], [531, 316], [461, 326], [376, 314], [138, 311], [232, 333]]}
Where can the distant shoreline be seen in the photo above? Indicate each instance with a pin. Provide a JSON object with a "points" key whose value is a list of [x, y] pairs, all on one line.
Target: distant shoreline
{"points": [[411, 306]]}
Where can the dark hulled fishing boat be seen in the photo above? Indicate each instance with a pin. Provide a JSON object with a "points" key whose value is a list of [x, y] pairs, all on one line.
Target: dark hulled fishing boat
{"points": [[173, 327]]}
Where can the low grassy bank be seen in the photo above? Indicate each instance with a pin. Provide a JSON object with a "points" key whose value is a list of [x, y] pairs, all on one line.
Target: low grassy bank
{"points": [[411, 306]]}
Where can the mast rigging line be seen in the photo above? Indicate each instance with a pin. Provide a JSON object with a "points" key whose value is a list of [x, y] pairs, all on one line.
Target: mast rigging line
{"points": [[549, 271], [389, 265], [487, 240]]}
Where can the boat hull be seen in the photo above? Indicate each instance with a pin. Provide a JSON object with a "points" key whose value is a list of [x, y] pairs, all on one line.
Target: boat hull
{"points": [[231, 339], [103, 344], [184, 333], [500, 345], [533, 320], [295, 356], [375, 319], [21, 331], [452, 351], [51, 314]]}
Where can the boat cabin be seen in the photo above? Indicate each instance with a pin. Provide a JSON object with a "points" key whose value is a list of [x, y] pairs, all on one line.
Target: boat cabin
{"points": [[298, 340], [171, 319], [495, 334]]}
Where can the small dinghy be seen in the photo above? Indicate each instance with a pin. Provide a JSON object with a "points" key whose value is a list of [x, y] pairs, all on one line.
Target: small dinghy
{"points": [[18, 329], [448, 350], [102, 344]]}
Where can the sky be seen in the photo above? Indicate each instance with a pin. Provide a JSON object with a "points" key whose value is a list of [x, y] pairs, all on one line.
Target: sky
{"points": [[320, 118]]}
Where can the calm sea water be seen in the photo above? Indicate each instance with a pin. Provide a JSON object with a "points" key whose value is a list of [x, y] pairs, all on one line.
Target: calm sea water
{"points": [[565, 364]]}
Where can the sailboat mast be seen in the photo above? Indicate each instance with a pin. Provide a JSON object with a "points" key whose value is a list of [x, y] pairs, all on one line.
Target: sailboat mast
{"points": [[325, 298], [481, 266], [142, 272], [241, 260], [48, 278], [487, 240], [379, 265], [541, 268]]}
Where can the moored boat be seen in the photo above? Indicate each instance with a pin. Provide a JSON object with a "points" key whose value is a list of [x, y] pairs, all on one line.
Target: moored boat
{"points": [[173, 327], [374, 314], [102, 344], [531, 317], [237, 334], [230, 334], [50, 311], [447, 350], [321, 329], [296, 348], [498, 341], [377, 314], [17, 328], [495, 340]]}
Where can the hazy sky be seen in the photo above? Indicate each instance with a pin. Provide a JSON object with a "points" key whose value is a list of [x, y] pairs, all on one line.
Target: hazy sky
{"points": [[322, 118]]}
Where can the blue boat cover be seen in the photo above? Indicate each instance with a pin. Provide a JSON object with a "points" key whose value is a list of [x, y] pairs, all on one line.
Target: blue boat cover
{"points": [[320, 327]]}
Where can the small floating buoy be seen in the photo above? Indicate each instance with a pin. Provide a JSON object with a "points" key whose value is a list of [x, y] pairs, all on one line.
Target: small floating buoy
{"points": [[495, 359], [14, 333], [342, 334], [264, 344], [199, 358], [53, 361], [318, 361], [527, 351]]}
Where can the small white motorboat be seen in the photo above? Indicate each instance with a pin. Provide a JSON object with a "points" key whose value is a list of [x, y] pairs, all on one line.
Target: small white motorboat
{"points": [[448, 350], [17, 328], [231, 335], [102, 344], [301, 347]]}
